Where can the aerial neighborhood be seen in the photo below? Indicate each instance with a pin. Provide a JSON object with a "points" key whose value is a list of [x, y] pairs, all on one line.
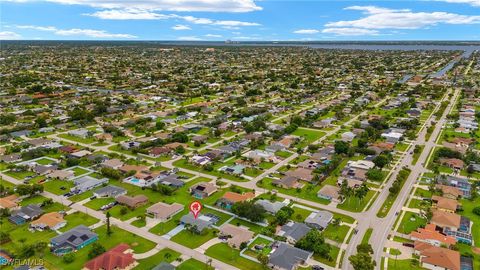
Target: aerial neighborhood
{"points": [[301, 158]]}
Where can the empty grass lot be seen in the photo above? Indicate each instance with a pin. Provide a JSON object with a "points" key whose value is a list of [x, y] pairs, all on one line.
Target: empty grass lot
{"points": [[224, 253]]}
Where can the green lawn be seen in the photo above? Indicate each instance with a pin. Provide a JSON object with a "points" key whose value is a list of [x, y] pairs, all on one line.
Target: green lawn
{"points": [[353, 204], [336, 233], [193, 240], [20, 235], [252, 226], [308, 191], [164, 255], [182, 163], [308, 135], [87, 140], [79, 171], [224, 253], [44, 161], [402, 265], [76, 219], [468, 206], [417, 155], [334, 251], [367, 235], [55, 186], [192, 264], [19, 175], [411, 222]]}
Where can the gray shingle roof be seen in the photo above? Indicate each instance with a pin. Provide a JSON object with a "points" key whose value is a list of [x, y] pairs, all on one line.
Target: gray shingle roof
{"points": [[287, 257]]}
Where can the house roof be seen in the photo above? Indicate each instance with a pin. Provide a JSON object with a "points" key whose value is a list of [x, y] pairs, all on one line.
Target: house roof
{"points": [[271, 207], [330, 191], [111, 191], [441, 257], [429, 233], [236, 197], [201, 222], [132, 201], [49, 219], [295, 230], [445, 203], [321, 218], [9, 201], [301, 173], [288, 181], [204, 187], [163, 210], [238, 235], [449, 190], [288, 257], [113, 163], [115, 258], [441, 218], [74, 237], [29, 211]]}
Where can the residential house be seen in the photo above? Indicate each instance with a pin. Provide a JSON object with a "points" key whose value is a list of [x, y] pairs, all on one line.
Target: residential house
{"points": [[112, 163], [454, 163], [293, 231], [331, 193], [432, 236], [9, 202], [61, 174], [455, 181], [319, 220], [119, 257], [449, 192], [10, 158], [25, 213], [230, 198], [301, 173], [82, 133], [132, 202], [287, 182], [109, 191], [435, 258], [86, 183], [286, 257], [202, 190], [163, 211], [72, 240], [200, 223], [348, 136], [271, 207], [445, 204], [235, 235], [51, 221]]}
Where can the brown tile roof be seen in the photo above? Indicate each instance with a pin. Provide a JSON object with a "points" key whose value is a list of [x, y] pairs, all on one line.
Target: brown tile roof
{"points": [[236, 197], [429, 233], [442, 257], [9, 202], [49, 219], [445, 203], [132, 201], [442, 219], [115, 258], [448, 190]]}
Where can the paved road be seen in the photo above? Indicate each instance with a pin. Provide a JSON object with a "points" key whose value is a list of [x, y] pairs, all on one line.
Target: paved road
{"points": [[382, 226]]}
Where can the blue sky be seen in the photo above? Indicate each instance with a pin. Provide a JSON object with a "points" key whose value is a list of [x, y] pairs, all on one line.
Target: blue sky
{"points": [[242, 20]]}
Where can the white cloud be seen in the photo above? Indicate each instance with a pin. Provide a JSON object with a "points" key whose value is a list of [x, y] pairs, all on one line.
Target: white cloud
{"points": [[91, 33], [213, 36], [475, 3], [180, 27], [77, 32], [306, 31], [169, 5], [350, 31], [383, 18], [39, 28], [127, 14], [139, 14], [189, 38], [8, 35]]}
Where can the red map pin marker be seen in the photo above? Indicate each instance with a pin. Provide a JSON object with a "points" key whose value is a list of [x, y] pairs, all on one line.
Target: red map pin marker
{"points": [[195, 208]]}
